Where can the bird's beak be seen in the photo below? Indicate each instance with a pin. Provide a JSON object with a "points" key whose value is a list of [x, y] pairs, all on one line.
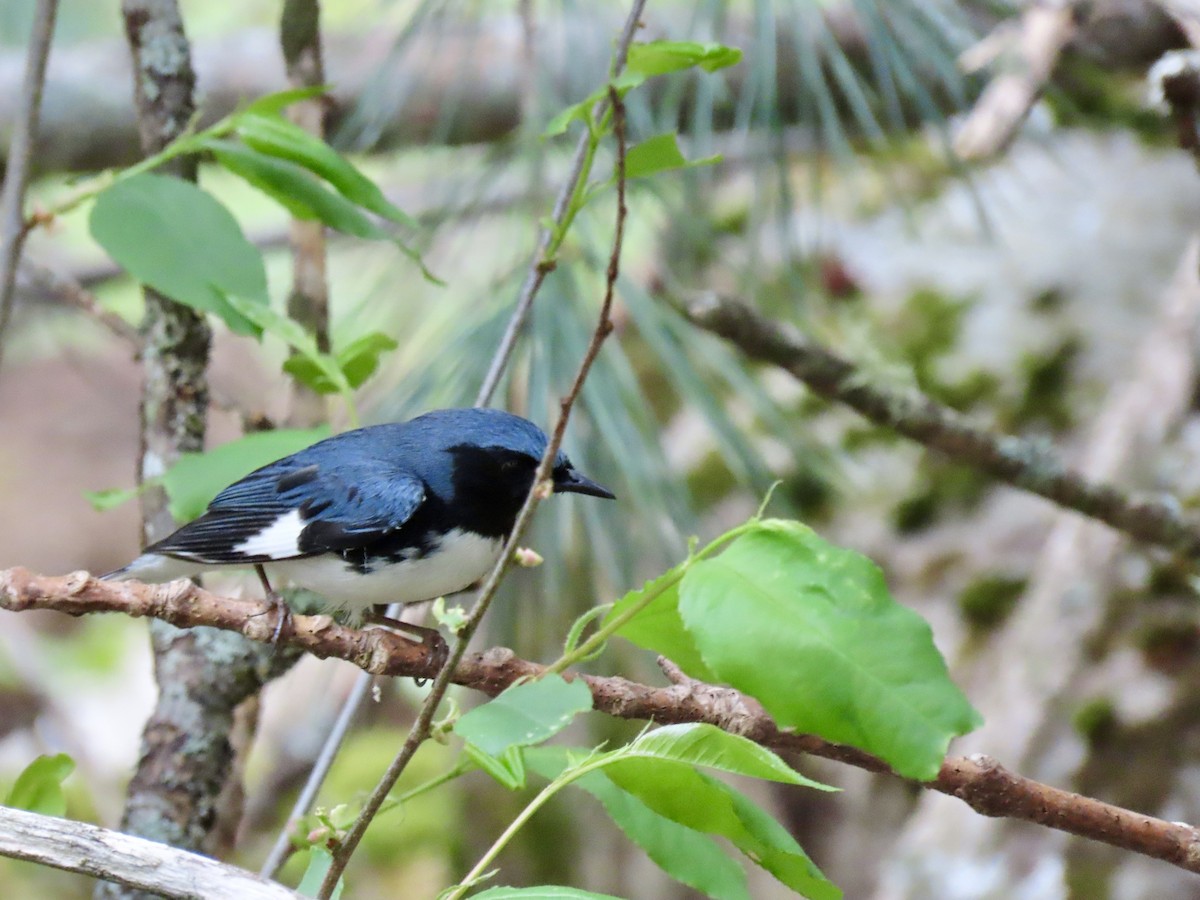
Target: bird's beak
{"points": [[571, 482]]}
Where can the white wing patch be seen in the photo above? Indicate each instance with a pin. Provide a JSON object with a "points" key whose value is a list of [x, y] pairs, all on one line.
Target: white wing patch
{"points": [[279, 540]]}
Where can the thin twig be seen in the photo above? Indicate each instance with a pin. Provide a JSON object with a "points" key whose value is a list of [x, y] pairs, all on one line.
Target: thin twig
{"points": [[539, 266], [978, 781], [67, 290], [529, 289], [127, 860], [13, 226], [1010, 459], [1045, 29], [540, 489]]}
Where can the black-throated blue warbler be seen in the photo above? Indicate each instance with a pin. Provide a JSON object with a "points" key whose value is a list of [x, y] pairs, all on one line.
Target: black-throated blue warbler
{"points": [[395, 513]]}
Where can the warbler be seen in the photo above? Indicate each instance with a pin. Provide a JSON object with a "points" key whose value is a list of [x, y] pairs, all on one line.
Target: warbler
{"points": [[395, 513]]}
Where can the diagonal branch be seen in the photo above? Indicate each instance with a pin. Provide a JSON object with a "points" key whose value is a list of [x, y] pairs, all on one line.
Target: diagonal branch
{"points": [[979, 781], [13, 226], [1012, 460]]}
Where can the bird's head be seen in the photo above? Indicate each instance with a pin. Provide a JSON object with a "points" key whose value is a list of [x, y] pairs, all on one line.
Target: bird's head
{"points": [[495, 457]]}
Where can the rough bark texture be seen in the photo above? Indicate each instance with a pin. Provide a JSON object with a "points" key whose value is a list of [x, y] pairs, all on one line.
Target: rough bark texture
{"points": [[979, 781], [204, 674]]}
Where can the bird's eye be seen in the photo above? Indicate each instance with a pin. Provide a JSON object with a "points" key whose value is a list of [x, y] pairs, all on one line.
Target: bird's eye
{"points": [[509, 465]]}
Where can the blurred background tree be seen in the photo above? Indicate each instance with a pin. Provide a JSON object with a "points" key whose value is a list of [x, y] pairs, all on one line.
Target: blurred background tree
{"points": [[1016, 288]]}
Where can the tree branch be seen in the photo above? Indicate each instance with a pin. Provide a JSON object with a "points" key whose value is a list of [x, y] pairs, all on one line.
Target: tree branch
{"points": [[176, 794], [13, 226], [1012, 460], [130, 861], [979, 781]]}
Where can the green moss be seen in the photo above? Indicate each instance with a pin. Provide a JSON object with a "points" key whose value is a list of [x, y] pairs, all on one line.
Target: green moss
{"points": [[989, 600], [943, 486], [710, 480], [1044, 400], [1048, 301], [1094, 720], [1085, 94], [928, 327], [915, 513], [810, 494], [1171, 577]]}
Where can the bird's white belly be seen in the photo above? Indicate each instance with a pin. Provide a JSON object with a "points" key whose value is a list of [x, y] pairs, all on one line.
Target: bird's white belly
{"points": [[461, 559]]}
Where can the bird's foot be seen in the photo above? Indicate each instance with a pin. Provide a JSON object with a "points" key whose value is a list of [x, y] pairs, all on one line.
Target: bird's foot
{"points": [[430, 638], [276, 603], [283, 613]]}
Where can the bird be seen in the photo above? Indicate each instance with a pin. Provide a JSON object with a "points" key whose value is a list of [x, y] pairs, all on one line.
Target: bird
{"points": [[394, 513]]}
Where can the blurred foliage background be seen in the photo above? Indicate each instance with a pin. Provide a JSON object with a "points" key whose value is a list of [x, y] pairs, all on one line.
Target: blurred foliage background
{"points": [[1015, 289]]}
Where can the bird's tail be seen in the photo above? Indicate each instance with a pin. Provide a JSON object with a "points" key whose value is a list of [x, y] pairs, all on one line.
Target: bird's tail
{"points": [[153, 568]]}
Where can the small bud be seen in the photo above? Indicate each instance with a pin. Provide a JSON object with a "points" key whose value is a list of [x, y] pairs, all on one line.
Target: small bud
{"points": [[527, 558], [318, 835]]}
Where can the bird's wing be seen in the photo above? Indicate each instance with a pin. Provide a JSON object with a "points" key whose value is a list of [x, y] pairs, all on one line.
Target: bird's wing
{"points": [[287, 510]]}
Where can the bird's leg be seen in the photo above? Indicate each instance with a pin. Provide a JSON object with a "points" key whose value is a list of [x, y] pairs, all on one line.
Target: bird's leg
{"points": [[278, 604], [431, 638]]}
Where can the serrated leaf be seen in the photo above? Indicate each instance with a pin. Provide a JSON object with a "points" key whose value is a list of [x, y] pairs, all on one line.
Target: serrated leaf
{"points": [[659, 769], [295, 188], [812, 632], [661, 57], [524, 714], [359, 359], [659, 627], [196, 478], [319, 861], [701, 744], [39, 787], [278, 137], [169, 234], [660, 153], [687, 855]]}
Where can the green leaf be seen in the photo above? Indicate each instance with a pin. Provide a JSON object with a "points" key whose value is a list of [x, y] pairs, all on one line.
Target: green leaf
{"points": [[309, 371], [810, 630], [110, 498], [39, 787], [541, 892], [273, 104], [278, 137], [661, 57], [659, 769], [700, 744], [508, 768], [659, 627], [296, 189], [660, 153], [359, 359], [196, 478], [320, 367], [525, 714], [179, 240], [685, 854], [319, 861], [575, 112]]}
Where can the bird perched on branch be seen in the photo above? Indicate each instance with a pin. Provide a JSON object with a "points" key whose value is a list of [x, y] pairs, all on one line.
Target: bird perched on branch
{"points": [[395, 513]]}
